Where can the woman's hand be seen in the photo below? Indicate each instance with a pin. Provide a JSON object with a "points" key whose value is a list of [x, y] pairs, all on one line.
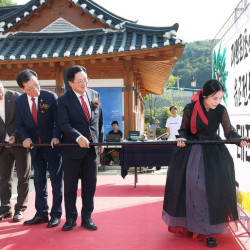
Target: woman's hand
{"points": [[180, 142], [244, 143]]}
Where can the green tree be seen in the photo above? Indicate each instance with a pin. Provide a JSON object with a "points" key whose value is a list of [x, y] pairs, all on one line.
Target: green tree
{"points": [[195, 61], [7, 3], [156, 104]]}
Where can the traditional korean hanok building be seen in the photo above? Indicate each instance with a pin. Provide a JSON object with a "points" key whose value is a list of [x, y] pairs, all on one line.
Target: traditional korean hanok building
{"points": [[125, 61]]}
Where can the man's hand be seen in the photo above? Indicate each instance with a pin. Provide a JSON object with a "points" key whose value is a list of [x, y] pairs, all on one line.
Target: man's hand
{"points": [[100, 150], [27, 143], [11, 140], [83, 142], [181, 143], [54, 142]]}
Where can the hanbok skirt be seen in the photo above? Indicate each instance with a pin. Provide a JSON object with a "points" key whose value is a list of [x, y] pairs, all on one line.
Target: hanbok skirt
{"points": [[197, 212]]}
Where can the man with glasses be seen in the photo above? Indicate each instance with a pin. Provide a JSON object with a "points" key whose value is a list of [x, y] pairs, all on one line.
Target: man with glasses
{"points": [[80, 120], [10, 157], [36, 120]]}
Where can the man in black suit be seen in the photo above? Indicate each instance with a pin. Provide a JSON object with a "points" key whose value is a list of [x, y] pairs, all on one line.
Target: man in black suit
{"points": [[11, 155], [80, 119], [36, 120]]}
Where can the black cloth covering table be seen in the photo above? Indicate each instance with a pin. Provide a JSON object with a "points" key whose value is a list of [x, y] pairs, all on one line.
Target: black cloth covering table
{"points": [[144, 155]]}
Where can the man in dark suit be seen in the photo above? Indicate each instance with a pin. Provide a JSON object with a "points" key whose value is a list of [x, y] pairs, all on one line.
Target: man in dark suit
{"points": [[36, 119], [9, 156], [80, 119]]}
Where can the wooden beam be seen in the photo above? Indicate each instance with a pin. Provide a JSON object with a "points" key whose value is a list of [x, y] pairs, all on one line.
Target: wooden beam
{"points": [[128, 58], [40, 64], [59, 80], [37, 13], [93, 61], [72, 63], [30, 65], [155, 54], [62, 63], [51, 64], [141, 56], [116, 58], [104, 60], [26, 22], [19, 65]]}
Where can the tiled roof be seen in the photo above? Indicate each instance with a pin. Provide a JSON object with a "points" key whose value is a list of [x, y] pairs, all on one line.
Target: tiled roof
{"points": [[8, 9], [39, 45], [19, 14]]}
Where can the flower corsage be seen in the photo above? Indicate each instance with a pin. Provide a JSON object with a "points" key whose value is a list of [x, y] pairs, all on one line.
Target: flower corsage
{"points": [[95, 102], [44, 107]]}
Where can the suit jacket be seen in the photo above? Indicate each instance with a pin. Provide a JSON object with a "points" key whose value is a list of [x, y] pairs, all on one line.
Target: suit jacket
{"points": [[46, 127], [9, 125], [73, 121]]}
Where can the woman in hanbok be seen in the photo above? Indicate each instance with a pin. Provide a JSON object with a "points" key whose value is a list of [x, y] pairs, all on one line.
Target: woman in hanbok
{"points": [[200, 194]]}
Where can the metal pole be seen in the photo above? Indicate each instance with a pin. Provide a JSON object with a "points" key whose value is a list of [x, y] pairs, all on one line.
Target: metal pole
{"points": [[133, 143]]}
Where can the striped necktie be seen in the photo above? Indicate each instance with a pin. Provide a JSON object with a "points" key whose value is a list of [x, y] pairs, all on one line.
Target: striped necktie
{"points": [[85, 108]]}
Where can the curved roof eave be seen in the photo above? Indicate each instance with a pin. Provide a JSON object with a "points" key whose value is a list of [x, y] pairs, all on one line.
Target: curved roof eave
{"points": [[88, 6]]}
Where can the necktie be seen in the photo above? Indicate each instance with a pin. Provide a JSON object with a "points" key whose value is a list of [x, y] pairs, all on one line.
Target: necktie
{"points": [[34, 110], [86, 112], [85, 108]]}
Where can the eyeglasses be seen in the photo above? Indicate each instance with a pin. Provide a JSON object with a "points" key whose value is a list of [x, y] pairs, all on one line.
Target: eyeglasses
{"points": [[31, 88], [82, 81]]}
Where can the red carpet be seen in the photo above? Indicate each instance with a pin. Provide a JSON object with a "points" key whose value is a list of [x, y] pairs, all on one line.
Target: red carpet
{"points": [[127, 218]]}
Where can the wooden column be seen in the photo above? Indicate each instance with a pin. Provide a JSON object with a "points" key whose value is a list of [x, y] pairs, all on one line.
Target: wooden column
{"points": [[59, 80], [129, 118]]}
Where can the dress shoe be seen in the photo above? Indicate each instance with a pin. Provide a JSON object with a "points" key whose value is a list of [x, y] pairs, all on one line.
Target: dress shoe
{"points": [[18, 216], [89, 224], [69, 225], [5, 214], [54, 221], [36, 220], [212, 242]]}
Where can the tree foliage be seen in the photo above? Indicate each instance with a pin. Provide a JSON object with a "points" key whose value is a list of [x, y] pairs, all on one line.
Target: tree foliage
{"points": [[156, 108], [7, 3], [195, 61]]}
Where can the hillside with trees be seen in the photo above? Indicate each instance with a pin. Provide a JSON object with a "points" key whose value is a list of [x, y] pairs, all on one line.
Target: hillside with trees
{"points": [[195, 62]]}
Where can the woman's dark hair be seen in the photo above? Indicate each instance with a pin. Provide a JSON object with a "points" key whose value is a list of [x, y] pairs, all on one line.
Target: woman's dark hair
{"points": [[73, 70], [24, 76], [211, 87]]}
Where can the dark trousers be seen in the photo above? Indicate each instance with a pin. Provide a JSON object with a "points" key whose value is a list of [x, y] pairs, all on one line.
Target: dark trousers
{"points": [[21, 158], [51, 160], [84, 167]]}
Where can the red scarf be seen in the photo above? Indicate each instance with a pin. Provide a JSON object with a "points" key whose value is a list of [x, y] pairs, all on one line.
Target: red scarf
{"points": [[197, 109]]}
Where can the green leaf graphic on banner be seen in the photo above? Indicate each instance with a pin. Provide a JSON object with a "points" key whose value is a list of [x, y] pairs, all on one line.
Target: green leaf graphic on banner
{"points": [[219, 72]]}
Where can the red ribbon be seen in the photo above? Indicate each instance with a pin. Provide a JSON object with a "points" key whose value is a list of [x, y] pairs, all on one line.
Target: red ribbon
{"points": [[197, 109]]}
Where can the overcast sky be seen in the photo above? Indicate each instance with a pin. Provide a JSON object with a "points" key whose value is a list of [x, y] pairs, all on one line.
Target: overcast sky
{"points": [[198, 19]]}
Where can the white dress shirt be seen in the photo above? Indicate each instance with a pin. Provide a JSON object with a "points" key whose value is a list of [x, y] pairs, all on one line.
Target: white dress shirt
{"points": [[31, 102], [87, 103], [85, 99]]}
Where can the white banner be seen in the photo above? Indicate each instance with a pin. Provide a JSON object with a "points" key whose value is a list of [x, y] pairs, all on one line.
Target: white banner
{"points": [[231, 66]]}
